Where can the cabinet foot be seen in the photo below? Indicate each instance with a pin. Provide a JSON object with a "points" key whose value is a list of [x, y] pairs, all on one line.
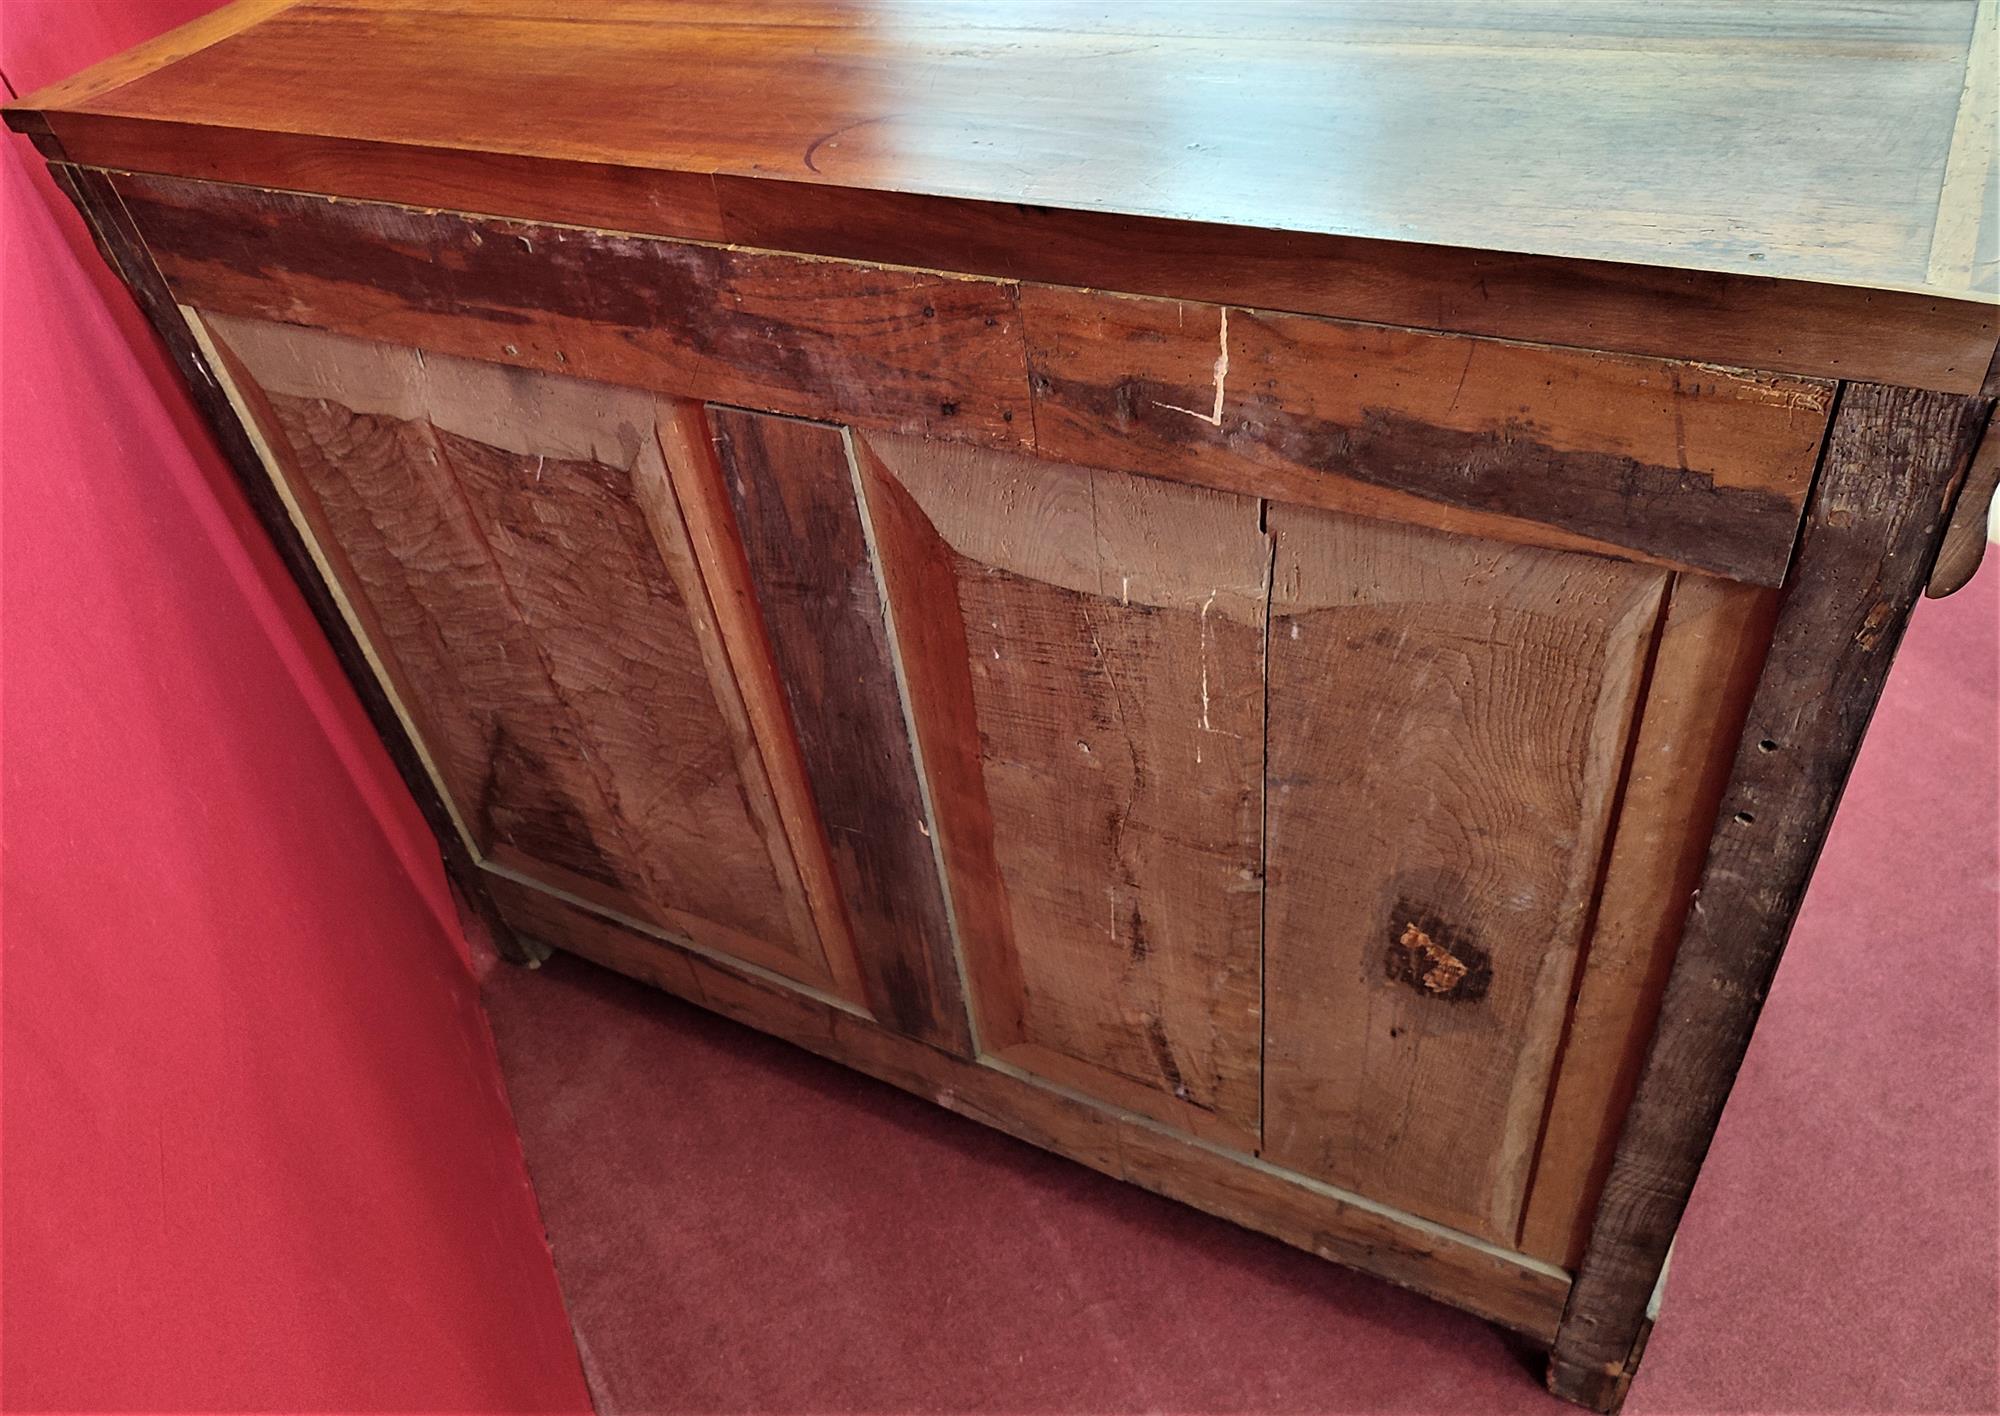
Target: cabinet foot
{"points": [[1591, 1387]]}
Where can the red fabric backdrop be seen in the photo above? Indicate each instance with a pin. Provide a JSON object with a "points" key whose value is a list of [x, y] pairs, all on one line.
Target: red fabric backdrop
{"points": [[254, 1150]]}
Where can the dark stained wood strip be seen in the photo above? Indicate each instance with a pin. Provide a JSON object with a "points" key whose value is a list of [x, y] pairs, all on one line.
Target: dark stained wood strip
{"points": [[1694, 467], [125, 251], [904, 350], [1518, 1294], [1893, 463], [792, 489], [700, 502]]}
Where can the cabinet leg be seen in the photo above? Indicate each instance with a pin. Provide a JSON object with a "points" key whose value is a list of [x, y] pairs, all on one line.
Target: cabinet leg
{"points": [[1598, 1388]]}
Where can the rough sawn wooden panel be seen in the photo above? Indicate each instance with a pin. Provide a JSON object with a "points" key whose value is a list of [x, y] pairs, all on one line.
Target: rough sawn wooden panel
{"points": [[1094, 643], [542, 622], [1448, 720]]}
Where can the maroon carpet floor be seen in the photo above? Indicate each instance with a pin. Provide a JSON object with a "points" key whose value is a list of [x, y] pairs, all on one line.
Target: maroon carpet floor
{"points": [[742, 1227]]}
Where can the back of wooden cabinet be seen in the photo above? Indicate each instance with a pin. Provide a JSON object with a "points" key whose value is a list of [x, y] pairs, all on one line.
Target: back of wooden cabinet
{"points": [[1337, 844]]}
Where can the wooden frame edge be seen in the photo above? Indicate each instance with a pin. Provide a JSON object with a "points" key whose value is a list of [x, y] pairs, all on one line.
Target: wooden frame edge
{"points": [[1714, 317], [119, 242], [1893, 464], [1781, 472], [150, 56]]}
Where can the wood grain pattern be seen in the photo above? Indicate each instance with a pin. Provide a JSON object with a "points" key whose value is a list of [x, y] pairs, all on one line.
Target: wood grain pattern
{"points": [[550, 636], [1513, 1292], [1712, 643], [1410, 120], [1741, 321], [792, 489], [1094, 691], [1432, 859], [100, 79], [908, 350], [1892, 466], [604, 195], [1688, 466], [1670, 462]]}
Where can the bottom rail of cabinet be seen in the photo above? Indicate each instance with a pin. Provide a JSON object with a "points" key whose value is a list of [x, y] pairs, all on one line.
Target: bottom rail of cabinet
{"points": [[1512, 1290]]}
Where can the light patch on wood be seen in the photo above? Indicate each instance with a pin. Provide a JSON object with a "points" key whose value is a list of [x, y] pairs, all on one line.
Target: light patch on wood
{"points": [[1047, 521], [1435, 966], [522, 412], [1214, 416], [1963, 254]]}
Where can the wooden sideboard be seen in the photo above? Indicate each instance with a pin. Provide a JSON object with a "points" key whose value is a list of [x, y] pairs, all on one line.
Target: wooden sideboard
{"points": [[1274, 600]]}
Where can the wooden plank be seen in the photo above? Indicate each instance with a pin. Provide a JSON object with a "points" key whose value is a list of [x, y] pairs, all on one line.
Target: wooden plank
{"points": [[1341, 1227], [1092, 701], [1448, 725], [1685, 465], [919, 579], [1320, 119], [1741, 321], [368, 496], [791, 486], [608, 196], [906, 350], [125, 252], [102, 79], [1515, 1292], [1893, 463], [616, 634], [1672, 462], [1708, 317], [544, 620], [1712, 644]]}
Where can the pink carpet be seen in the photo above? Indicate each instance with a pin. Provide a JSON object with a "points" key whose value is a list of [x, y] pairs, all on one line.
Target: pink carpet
{"points": [[740, 1226]]}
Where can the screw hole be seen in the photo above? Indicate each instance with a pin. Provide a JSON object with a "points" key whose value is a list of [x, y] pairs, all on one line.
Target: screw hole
{"points": [[1744, 818], [1767, 746]]}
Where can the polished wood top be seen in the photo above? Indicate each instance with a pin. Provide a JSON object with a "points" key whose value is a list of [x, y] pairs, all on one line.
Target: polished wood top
{"points": [[1834, 142]]}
